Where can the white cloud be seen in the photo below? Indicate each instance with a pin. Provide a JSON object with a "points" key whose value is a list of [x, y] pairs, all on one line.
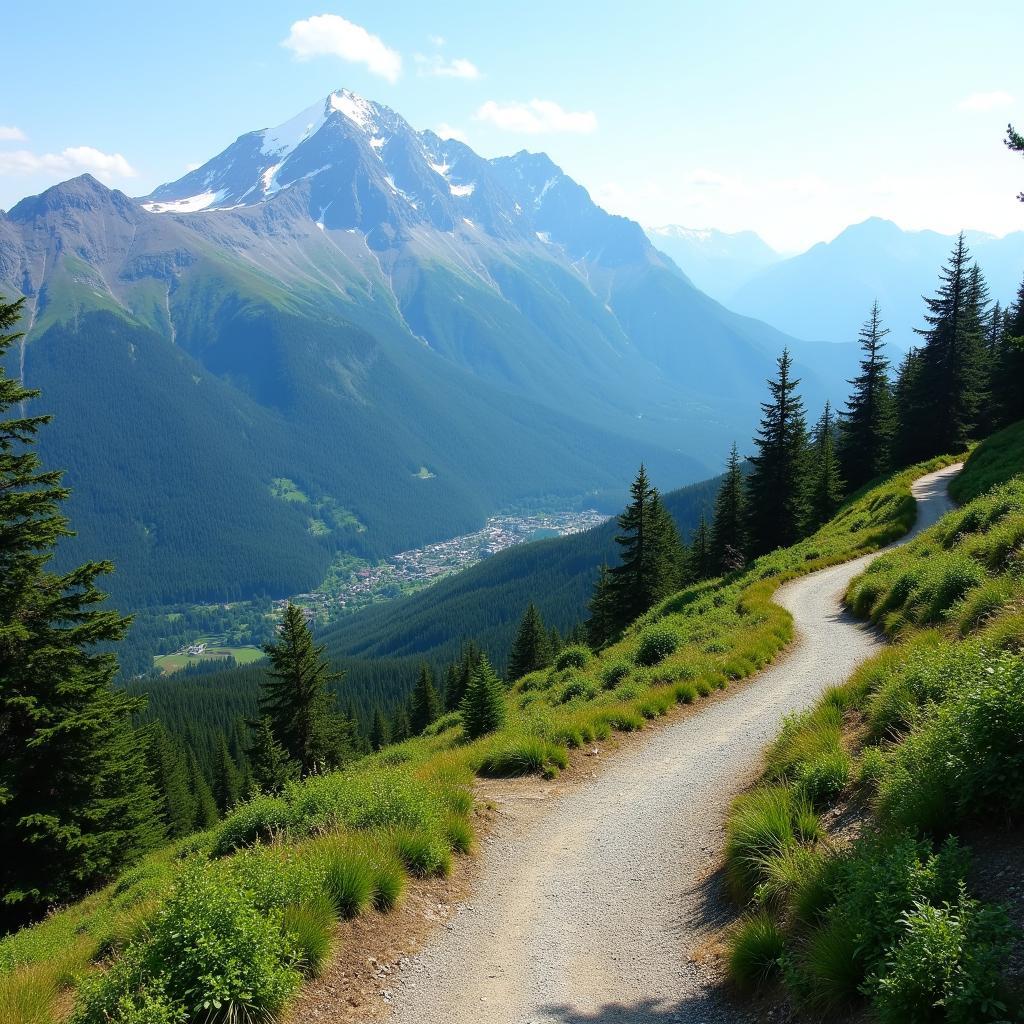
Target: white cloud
{"points": [[437, 41], [329, 35], [73, 160], [8, 133], [982, 102], [538, 117], [438, 67], [446, 131]]}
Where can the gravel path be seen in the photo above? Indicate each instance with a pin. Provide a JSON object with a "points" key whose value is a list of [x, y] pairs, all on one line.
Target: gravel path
{"points": [[599, 905]]}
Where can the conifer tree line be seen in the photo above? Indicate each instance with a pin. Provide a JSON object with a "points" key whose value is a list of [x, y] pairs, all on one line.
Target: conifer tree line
{"points": [[963, 380]]}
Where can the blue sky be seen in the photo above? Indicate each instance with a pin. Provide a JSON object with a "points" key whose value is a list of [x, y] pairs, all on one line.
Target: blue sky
{"points": [[792, 119]]}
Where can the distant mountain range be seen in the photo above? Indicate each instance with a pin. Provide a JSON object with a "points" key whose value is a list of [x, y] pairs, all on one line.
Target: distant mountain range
{"points": [[344, 334], [717, 262], [826, 292]]}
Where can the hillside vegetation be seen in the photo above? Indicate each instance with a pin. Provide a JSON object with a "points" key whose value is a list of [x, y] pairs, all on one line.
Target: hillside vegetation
{"points": [[226, 923], [917, 755]]}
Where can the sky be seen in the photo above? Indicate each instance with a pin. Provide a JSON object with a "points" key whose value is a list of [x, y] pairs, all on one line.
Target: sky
{"points": [[790, 119]]}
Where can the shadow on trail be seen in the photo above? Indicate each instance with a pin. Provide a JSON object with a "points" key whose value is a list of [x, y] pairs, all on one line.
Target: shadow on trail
{"points": [[705, 1008]]}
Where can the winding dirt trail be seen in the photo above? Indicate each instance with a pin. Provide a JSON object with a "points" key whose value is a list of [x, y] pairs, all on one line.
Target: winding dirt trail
{"points": [[598, 905]]}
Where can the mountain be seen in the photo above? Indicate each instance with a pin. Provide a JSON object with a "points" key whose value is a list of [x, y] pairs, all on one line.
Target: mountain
{"points": [[344, 334], [717, 262], [826, 292]]}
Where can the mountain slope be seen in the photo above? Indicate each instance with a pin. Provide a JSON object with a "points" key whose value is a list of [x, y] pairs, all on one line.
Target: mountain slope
{"points": [[408, 335], [826, 292]]}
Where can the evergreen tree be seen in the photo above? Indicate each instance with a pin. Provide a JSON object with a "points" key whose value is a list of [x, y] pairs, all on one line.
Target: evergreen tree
{"points": [[601, 624], [297, 701], [206, 807], [380, 730], [866, 427], [555, 642], [401, 727], [531, 648], [76, 799], [1008, 366], [1015, 141], [170, 774], [452, 688], [483, 706], [424, 705], [700, 560], [269, 762], [776, 487], [652, 555], [825, 486], [729, 526], [226, 783], [463, 672], [953, 370], [910, 440]]}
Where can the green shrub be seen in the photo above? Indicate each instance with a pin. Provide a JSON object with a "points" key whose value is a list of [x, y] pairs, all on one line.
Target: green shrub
{"points": [[955, 577], [656, 644], [349, 879], [309, 927], [124, 995], [389, 881], [459, 833], [578, 688], [256, 821], [830, 970], [871, 767], [27, 997], [574, 656], [755, 950], [984, 603], [823, 779], [614, 673], [423, 853], [948, 960], [522, 755]]}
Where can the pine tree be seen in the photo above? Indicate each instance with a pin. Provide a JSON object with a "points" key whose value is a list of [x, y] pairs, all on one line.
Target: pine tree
{"points": [[380, 730], [483, 706], [452, 688], [76, 799], [1015, 141], [226, 784], [296, 699], [555, 642], [953, 369], [206, 806], [729, 526], [1008, 366], [170, 774], [652, 555], [867, 425], [531, 648], [910, 439], [401, 727], [601, 624], [272, 769], [424, 705], [825, 485], [776, 487], [700, 560]]}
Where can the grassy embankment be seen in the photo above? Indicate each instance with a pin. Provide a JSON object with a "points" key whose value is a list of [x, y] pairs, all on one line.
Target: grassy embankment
{"points": [[924, 743], [227, 923]]}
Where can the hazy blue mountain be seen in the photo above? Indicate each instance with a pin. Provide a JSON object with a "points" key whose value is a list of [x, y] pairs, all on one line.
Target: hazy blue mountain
{"points": [[346, 334], [826, 292], [717, 262]]}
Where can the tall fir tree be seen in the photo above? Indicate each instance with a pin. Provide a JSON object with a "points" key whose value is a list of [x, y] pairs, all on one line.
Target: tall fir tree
{"points": [[424, 704], [1008, 366], [271, 767], [458, 681], [531, 648], [401, 725], [76, 799], [953, 371], [651, 553], [380, 730], [776, 486], [483, 705], [206, 806], [729, 540], [1015, 141], [452, 688], [824, 482], [226, 783], [296, 699], [700, 559], [601, 624], [866, 426], [170, 773], [910, 402]]}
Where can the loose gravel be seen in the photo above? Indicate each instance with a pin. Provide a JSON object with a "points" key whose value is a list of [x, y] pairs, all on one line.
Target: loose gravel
{"points": [[605, 904]]}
